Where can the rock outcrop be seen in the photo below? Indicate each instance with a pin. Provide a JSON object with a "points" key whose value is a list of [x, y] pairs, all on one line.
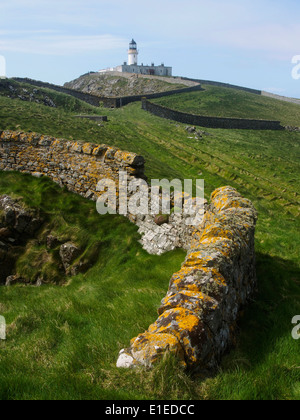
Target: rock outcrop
{"points": [[124, 84], [17, 225], [68, 253], [21, 230], [12, 90]]}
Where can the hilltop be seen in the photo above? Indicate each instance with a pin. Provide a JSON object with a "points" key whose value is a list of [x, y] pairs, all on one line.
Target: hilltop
{"points": [[124, 84]]}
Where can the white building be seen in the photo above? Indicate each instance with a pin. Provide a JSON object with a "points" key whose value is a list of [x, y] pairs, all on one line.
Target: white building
{"points": [[132, 65]]}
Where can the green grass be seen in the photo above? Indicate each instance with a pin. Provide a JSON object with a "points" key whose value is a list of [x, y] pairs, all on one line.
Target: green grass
{"points": [[226, 102], [63, 341]]}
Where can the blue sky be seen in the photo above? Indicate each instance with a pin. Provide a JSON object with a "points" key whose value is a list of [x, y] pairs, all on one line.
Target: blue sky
{"points": [[245, 42]]}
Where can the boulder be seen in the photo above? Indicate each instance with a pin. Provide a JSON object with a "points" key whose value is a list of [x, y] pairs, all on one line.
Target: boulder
{"points": [[18, 218], [190, 129], [161, 219], [68, 253], [10, 280]]}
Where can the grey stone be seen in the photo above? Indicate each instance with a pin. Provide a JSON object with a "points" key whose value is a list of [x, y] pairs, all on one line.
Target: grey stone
{"points": [[68, 253]]}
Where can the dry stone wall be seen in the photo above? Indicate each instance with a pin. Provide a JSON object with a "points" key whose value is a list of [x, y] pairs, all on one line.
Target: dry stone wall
{"points": [[79, 167], [197, 318], [210, 122], [125, 100], [76, 165]]}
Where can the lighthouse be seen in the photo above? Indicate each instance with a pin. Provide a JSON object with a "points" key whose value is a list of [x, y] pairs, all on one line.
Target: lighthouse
{"points": [[132, 65], [132, 54]]}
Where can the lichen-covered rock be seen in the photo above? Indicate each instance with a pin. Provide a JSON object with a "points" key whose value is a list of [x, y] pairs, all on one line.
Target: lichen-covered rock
{"points": [[150, 347], [204, 298]]}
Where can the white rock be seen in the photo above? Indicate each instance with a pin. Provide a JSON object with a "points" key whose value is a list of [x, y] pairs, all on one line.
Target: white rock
{"points": [[124, 360], [2, 328]]}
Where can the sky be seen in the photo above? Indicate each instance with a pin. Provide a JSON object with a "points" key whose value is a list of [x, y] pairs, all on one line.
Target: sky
{"points": [[252, 43]]}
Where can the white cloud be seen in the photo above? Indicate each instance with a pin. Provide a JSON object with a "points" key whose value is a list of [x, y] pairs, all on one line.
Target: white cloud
{"points": [[278, 91], [12, 33], [278, 40], [262, 26], [62, 44], [52, 13]]}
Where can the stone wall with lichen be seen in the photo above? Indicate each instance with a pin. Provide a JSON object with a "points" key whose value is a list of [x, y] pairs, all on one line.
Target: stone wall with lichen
{"points": [[197, 318], [77, 165]]}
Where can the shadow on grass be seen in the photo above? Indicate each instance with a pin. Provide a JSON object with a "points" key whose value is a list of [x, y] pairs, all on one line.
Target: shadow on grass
{"points": [[267, 321]]}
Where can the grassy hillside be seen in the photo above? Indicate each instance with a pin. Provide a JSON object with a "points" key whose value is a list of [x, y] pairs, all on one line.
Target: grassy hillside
{"points": [[63, 342], [11, 89], [226, 102]]}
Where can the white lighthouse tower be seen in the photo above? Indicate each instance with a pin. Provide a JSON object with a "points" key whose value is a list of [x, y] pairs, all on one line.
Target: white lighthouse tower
{"points": [[132, 54]]}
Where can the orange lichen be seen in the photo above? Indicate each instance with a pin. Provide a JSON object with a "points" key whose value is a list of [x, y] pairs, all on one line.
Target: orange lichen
{"points": [[174, 321], [148, 348]]}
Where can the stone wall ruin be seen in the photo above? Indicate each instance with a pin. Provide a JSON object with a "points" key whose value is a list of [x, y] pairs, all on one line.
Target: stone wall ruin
{"points": [[197, 318]]}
